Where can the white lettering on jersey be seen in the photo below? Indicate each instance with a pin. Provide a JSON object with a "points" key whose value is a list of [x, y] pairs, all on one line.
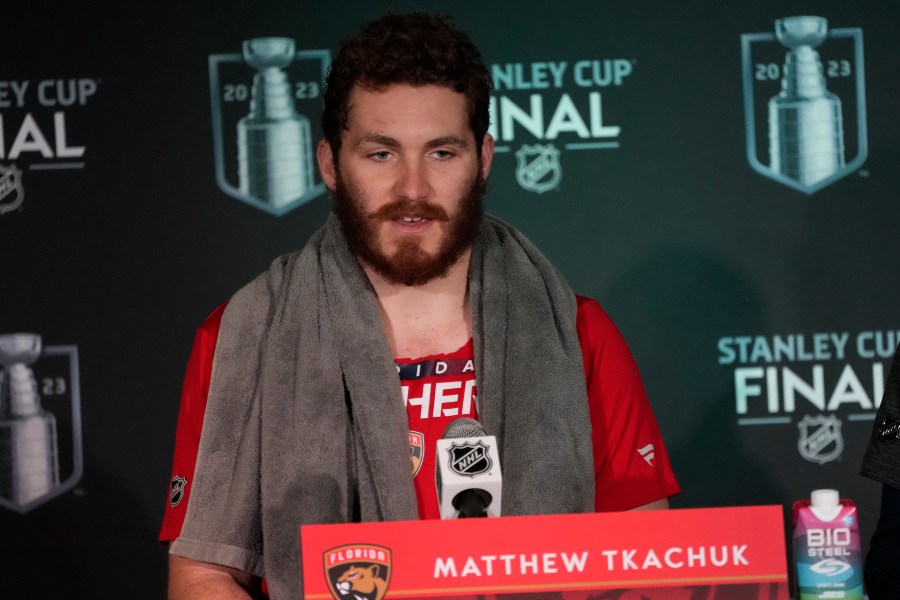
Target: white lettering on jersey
{"points": [[423, 401], [442, 399]]}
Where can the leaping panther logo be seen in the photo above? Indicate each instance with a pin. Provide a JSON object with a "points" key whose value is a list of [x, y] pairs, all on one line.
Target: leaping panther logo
{"points": [[358, 571], [362, 582]]}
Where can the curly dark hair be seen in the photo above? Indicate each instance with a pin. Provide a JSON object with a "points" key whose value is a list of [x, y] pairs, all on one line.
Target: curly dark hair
{"points": [[415, 49]]}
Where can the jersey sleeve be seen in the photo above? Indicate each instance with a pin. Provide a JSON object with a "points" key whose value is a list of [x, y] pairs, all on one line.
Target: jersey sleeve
{"points": [[194, 392], [881, 460], [631, 465]]}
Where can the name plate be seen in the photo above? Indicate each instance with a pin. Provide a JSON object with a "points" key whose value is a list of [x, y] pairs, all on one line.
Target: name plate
{"points": [[735, 552]]}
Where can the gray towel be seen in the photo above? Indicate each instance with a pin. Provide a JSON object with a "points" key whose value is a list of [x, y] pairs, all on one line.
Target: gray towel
{"points": [[305, 421]]}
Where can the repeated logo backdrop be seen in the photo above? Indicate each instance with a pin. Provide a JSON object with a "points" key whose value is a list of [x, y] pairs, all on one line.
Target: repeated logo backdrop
{"points": [[732, 206]]}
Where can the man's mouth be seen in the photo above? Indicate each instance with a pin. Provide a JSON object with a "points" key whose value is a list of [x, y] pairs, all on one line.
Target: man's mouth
{"points": [[407, 212]]}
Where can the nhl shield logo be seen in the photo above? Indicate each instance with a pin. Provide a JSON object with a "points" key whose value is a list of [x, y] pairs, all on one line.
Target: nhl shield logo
{"points": [[469, 458], [176, 495], [265, 103], [358, 571], [538, 167], [40, 421], [416, 450], [820, 438], [804, 102], [11, 193]]}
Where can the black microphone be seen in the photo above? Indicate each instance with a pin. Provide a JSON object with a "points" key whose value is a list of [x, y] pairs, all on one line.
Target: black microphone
{"points": [[468, 478]]}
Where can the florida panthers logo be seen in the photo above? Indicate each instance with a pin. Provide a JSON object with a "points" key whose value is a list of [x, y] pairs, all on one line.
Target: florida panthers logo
{"points": [[416, 450], [358, 572]]}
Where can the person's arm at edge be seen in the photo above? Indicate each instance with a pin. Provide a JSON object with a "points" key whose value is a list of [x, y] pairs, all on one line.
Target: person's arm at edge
{"points": [[883, 559], [661, 504], [596, 331], [193, 580], [188, 578]]}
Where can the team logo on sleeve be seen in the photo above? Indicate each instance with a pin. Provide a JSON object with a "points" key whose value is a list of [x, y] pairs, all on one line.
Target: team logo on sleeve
{"points": [[416, 450], [888, 428], [358, 571], [177, 493], [647, 453]]}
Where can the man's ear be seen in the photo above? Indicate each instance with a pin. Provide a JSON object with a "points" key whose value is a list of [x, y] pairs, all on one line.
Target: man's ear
{"points": [[325, 157], [487, 154]]}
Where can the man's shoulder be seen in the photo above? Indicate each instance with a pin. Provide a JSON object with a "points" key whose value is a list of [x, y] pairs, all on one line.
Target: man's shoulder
{"points": [[597, 330], [213, 320], [584, 301], [590, 313]]}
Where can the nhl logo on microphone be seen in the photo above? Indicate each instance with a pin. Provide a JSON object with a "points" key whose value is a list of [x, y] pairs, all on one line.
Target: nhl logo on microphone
{"points": [[469, 459], [465, 465]]}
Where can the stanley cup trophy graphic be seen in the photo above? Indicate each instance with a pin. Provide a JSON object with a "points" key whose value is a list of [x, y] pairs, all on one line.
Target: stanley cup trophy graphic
{"points": [[806, 140], [274, 141], [29, 467]]}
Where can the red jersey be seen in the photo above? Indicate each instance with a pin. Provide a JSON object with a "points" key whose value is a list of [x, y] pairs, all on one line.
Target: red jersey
{"points": [[631, 466]]}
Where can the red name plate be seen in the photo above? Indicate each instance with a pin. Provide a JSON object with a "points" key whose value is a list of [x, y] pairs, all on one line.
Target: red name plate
{"points": [[733, 552]]}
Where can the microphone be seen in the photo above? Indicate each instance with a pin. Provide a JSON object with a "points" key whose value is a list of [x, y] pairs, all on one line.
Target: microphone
{"points": [[467, 476]]}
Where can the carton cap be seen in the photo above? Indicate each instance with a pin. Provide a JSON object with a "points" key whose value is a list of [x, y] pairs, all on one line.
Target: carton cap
{"points": [[825, 498]]}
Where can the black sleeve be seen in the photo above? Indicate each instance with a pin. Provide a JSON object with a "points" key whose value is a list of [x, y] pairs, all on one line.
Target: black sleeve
{"points": [[882, 570]]}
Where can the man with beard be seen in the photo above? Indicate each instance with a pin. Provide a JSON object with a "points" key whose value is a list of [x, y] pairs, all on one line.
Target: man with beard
{"points": [[295, 380]]}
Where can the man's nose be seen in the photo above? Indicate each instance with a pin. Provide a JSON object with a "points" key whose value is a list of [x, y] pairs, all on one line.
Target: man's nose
{"points": [[412, 180]]}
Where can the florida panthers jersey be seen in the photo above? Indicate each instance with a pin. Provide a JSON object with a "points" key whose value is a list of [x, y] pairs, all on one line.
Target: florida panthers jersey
{"points": [[630, 462]]}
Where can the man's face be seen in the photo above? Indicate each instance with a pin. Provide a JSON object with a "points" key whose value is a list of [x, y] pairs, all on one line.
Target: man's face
{"points": [[409, 180]]}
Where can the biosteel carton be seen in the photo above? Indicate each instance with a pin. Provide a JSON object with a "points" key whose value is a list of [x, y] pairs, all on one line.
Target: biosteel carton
{"points": [[827, 551]]}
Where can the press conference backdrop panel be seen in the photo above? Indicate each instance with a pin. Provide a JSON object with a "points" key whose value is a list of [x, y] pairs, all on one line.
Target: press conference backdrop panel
{"points": [[737, 220]]}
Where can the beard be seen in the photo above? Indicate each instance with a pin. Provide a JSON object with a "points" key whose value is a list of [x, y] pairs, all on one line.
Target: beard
{"points": [[409, 264]]}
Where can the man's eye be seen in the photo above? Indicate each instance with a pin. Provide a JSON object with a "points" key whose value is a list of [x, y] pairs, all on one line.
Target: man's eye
{"points": [[442, 154], [383, 155]]}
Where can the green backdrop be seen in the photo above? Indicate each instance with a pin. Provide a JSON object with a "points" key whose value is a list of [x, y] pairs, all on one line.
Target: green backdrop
{"points": [[762, 315]]}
